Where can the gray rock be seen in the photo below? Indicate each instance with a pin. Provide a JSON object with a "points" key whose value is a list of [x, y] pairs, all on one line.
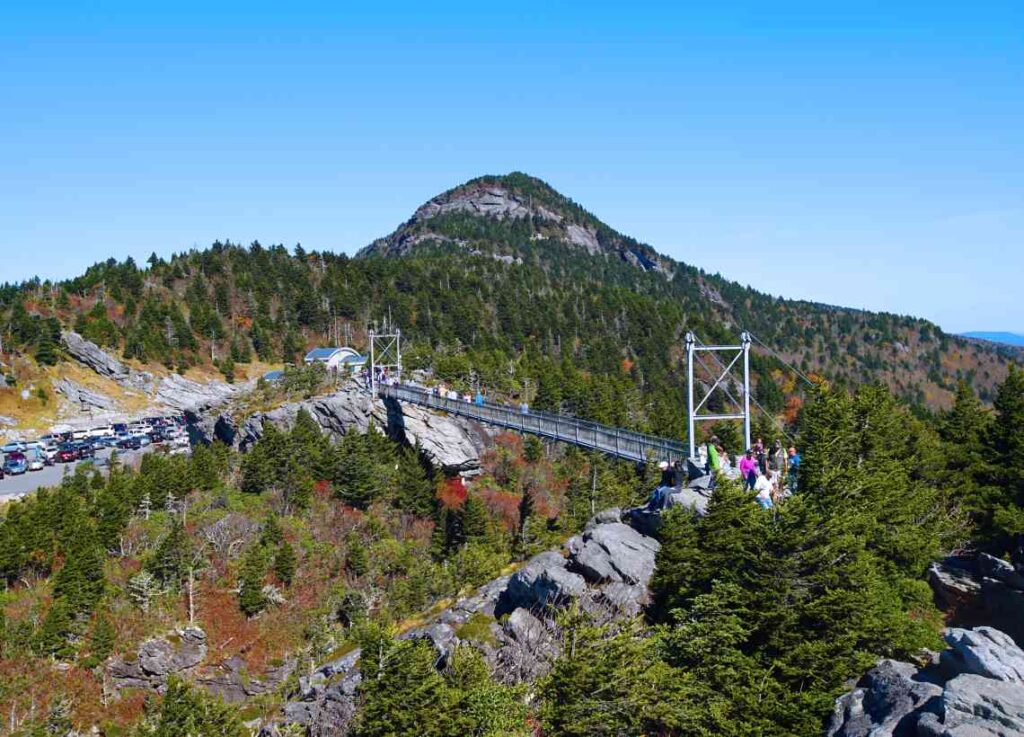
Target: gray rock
{"points": [[451, 443], [81, 398], [625, 600], [984, 651], [695, 498], [183, 394], [1000, 570], [953, 582], [528, 649], [884, 704], [604, 517], [543, 581], [616, 552], [185, 649], [974, 706], [90, 354]]}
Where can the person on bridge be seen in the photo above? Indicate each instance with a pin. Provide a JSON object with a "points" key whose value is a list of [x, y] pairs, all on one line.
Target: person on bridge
{"points": [[749, 469]]}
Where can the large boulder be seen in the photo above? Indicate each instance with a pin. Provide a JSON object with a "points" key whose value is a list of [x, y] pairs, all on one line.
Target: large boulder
{"points": [[974, 706], [614, 552], [984, 651], [991, 567], [884, 703], [159, 658], [543, 581], [973, 689]]}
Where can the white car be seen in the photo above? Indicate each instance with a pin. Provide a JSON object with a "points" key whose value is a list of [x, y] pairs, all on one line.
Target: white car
{"points": [[143, 439], [35, 459], [15, 446], [105, 431]]}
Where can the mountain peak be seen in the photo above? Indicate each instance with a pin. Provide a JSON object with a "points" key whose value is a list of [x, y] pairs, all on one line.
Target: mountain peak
{"points": [[502, 214]]}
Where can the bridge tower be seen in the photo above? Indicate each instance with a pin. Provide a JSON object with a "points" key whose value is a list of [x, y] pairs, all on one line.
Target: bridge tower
{"points": [[385, 355], [737, 353]]}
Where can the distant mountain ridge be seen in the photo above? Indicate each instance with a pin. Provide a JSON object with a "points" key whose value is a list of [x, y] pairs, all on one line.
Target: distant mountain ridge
{"points": [[1014, 339], [501, 282]]}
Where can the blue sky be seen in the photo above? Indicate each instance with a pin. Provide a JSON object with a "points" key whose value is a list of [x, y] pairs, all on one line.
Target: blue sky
{"points": [[870, 156]]}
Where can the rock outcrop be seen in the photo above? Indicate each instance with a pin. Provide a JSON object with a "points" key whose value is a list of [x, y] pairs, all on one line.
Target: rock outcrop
{"points": [[511, 620], [983, 590], [83, 399], [88, 353], [451, 443], [177, 392], [183, 652], [973, 689]]}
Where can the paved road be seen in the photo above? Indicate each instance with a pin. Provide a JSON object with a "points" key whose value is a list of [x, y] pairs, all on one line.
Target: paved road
{"points": [[15, 486]]}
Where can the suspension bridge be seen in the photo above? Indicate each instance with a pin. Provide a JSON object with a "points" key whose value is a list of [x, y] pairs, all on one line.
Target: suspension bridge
{"points": [[386, 361]]}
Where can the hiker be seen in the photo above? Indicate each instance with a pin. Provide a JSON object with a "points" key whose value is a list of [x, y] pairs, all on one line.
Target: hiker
{"points": [[714, 463], [748, 469], [794, 469], [777, 464], [763, 487], [659, 497], [762, 459]]}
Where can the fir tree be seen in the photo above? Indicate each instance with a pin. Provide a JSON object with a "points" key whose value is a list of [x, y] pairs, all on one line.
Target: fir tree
{"points": [[53, 637], [101, 641], [251, 578], [170, 561], [285, 563]]}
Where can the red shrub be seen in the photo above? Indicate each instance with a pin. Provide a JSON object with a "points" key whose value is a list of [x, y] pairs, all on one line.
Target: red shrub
{"points": [[452, 493]]}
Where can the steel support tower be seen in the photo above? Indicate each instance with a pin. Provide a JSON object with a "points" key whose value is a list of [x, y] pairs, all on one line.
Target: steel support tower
{"points": [[385, 355], [693, 411]]}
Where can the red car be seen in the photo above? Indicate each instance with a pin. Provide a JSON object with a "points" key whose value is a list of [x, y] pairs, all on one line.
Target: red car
{"points": [[67, 454]]}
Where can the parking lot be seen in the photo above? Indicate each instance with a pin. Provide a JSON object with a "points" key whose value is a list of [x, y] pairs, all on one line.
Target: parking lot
{"points": [[17, 486]]}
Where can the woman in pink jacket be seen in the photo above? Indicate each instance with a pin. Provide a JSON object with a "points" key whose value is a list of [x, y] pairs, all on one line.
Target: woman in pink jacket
{"points": [[748, 469]]}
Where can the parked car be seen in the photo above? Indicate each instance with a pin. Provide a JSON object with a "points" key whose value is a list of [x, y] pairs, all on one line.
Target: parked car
{"points": [[143, 439], [129, 442], [15, 446], [36, 459], [85, 450], [67, 453], [15, 464]]}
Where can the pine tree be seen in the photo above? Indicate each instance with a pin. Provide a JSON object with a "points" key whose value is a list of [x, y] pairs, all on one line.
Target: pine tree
{"points": [[285, 563], [475, 520], [354, 479], [1005, 444], [414, 491], [101, 641], [53, 637], [357, 558], [251, 578], [188, 711], [81, 581], [170, 562]]}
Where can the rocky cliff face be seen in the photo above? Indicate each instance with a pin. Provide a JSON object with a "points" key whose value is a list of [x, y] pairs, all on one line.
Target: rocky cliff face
{"points": [[453, 444], [606, 570], [973, 689]]}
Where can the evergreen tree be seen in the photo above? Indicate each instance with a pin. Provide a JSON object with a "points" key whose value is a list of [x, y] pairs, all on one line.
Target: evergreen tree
{"points": [[285, 563], [80, 582], [188, 711], [53, 637], [414, 491], [357, 558], [101, 641], [251, 579], [170, 561], [1005, 443]]}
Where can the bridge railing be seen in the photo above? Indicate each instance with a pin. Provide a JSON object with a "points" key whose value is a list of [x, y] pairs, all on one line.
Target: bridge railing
{"points": [[583, 433]]}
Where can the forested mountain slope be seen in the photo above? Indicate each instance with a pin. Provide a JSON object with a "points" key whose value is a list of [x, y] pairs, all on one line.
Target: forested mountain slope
{"points": [[501, 280]]}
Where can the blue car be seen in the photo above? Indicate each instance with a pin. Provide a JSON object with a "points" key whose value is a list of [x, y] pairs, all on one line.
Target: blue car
{"points": [[15, 464]]}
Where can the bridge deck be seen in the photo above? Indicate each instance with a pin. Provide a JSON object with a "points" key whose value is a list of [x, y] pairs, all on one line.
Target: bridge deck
{"points": [[612, 441]]}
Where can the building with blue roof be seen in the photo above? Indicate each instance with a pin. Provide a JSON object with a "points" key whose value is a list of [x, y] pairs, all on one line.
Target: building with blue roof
{"points": [[337, 359]]}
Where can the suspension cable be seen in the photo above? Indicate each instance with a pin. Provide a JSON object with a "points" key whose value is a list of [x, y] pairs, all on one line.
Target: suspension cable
{"points": [[784, 362]]}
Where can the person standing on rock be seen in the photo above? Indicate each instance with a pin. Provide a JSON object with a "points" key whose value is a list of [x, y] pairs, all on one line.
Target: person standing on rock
{"points": [[749, 469], [714, 462], [794, 469]]}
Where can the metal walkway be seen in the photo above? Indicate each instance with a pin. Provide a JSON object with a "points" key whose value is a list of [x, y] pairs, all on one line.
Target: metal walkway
{"points": [[612, 441]]}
